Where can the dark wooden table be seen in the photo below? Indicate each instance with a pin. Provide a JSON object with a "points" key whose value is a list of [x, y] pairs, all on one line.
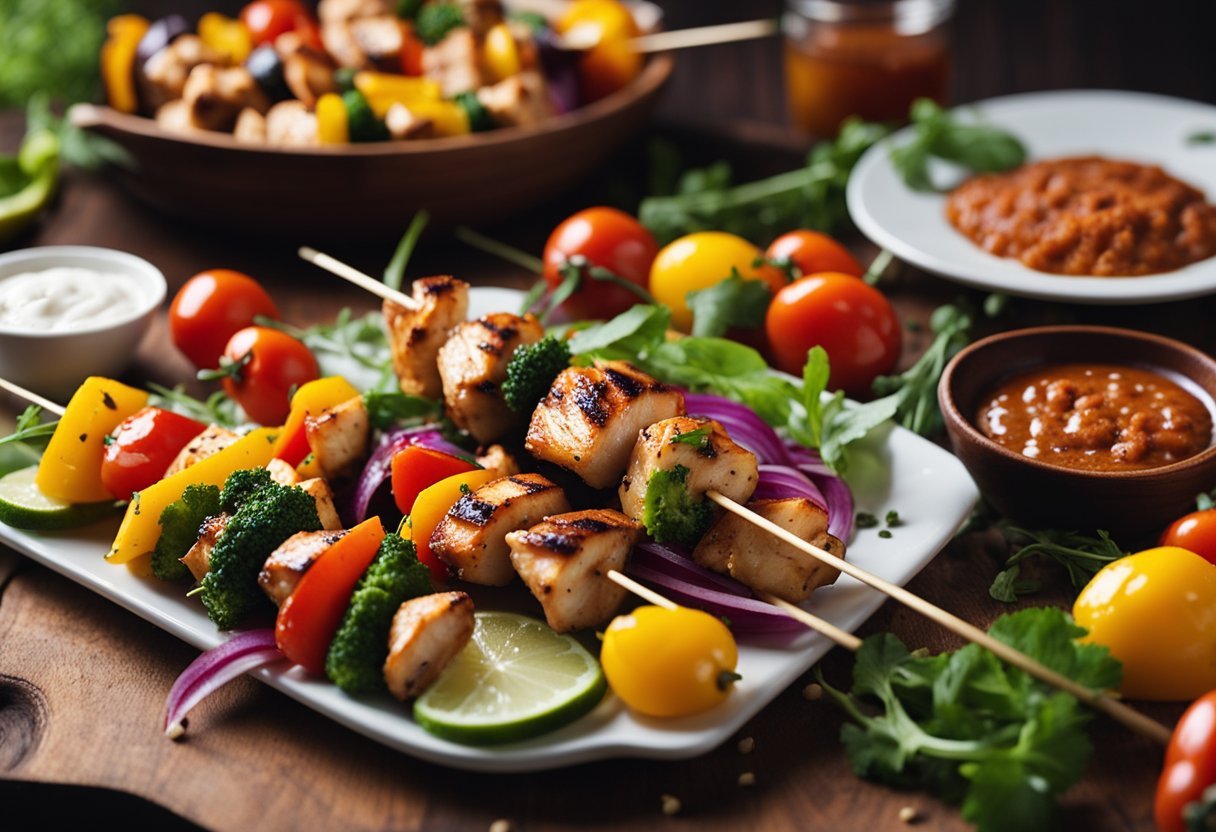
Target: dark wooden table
{"points": [[82, 682]]}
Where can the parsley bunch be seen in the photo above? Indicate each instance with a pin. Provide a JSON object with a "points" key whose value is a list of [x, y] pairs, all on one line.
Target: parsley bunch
{"points": [[972, 730]]}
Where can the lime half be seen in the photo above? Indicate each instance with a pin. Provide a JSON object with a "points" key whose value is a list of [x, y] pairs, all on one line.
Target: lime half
{"points": [[515, 679], [23, 506]]}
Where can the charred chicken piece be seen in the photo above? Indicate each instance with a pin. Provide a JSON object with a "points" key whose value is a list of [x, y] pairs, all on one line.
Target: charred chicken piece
{"points": [[495, 458], [764, 563], [426, 635], [287, 564], [455, 62], [473, 365], [323, 496], [163, 76], [518, 101], [291, 124], [198, 558], [472, 537], [713, 460], [211, 441], [591, 418], [416, 336], [338, 436], [215, 96], [565, 559]]}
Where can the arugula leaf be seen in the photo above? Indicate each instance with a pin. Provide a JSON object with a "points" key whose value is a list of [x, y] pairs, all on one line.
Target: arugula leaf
{"points": [[1081, 556], [393, 409], [971, 729], [356, 348], [976, 147], [733, 302], [625, 336]]}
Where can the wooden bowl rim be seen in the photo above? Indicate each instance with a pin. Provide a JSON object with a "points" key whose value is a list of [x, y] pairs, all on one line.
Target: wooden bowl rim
{"points": [[653, 76], [952, 414]]}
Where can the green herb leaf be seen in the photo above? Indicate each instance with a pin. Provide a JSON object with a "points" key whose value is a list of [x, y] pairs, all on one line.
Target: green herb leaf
{"points": [[394, 273], [51, 47], [216, 408], [976, 147], [1201, 137], [733, 302], [698, 438], [394, 409], [1080, 555]]}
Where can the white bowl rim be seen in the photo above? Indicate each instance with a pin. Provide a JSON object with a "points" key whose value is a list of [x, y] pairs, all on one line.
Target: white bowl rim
{"points": [[151, 278]]}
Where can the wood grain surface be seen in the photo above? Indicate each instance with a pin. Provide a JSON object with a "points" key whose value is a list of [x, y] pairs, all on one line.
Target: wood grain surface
{"points": [[82, 682]]}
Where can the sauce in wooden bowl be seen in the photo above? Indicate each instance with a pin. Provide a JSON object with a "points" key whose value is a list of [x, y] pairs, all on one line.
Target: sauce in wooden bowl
{"points": [[1096, 417]]}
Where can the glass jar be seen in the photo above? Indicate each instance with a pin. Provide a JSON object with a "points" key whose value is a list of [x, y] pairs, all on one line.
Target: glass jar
{"points": [[869, 58]]}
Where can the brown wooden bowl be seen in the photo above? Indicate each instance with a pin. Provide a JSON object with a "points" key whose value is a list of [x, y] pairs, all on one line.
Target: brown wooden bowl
{"points": [[1135, 503], [371, 190]]}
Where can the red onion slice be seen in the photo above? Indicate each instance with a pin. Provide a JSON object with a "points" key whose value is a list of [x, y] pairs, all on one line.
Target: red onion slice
{"points": [[673, 562], [780, 481], [379, 465], [214, 669], [747, 616], [743, 425]]}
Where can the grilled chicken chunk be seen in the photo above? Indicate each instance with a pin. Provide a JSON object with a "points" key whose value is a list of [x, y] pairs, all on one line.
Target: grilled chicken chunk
{"points": [[287, 564], [323, 496], [495, 458], [564, 560], [198, 559], [282, 472], [338, 436], [473, 366], [714, 462], [454, 62], [211, 441], [164, 74], [250, 127], [758, 560], [589, 421], [308, 72], [291, 124], [518, 101], [427, 633], [416, 336], [472, 537], [216, 96]]}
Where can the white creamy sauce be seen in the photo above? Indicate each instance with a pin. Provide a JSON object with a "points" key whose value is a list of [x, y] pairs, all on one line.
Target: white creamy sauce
{"points": [[66, 298]]}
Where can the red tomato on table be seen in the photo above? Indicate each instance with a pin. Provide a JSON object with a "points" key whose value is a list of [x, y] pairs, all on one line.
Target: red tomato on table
{"points": [[812, 252], [143, 447], [210, 308], [1195, 531], [263, 382], [607, 238], [1190, 763], [851, 320]]}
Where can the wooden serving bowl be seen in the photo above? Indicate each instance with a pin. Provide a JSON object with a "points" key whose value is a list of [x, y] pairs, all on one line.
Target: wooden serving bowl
{"points": [[371, 190], [1133, 503]]}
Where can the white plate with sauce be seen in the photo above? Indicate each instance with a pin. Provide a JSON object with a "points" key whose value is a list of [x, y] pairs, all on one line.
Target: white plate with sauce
{"points": [[1134, 127], [895, 470]]}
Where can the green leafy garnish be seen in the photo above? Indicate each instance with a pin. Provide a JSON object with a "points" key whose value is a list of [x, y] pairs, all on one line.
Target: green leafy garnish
{"points": [[216, 408], [434, 21], [810, 197], [391, 409], [355, 348], [51, 47], [973, 730], [698, 438], [733, 302], [976, 147], [394, 272], [1202, 137], [1081, 556]]}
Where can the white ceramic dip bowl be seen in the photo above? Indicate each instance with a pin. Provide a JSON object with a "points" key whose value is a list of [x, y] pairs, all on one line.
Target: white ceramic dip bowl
{"points": [[54, 361]]}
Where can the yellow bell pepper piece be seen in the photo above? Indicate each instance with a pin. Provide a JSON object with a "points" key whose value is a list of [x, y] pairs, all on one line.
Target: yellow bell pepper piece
{"points": [[309, 468], [430, 507], [226, 35], [448, 117], [1156, 611], [501, 52], [333, 124], [71, 466], [310, 400], [382, 90], [140, 527], [118, 60]]}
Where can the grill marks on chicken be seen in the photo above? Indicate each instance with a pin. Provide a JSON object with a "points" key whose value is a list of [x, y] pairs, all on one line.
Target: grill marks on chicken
{"points": [[473, 366], [589, 421], [287, 564], [565, 559], [415, 335], [426, 635], [472, 537]]}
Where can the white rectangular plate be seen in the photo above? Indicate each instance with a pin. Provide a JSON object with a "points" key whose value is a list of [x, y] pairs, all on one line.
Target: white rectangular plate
{"points": [[899, 470]]}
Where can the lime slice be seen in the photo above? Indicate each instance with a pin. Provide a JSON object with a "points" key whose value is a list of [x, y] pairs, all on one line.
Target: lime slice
{"points": [[515, 679], [23, 506]]}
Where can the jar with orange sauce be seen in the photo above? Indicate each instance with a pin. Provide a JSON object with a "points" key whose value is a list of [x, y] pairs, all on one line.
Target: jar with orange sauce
{"points": [[870, 58]]}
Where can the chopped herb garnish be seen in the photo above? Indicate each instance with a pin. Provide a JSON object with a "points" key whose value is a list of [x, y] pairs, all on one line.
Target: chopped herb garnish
{"points": [[698, 438], [865, 520]]}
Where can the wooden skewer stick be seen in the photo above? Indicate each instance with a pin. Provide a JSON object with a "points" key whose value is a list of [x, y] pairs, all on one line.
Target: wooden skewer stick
{"points": [[349, 273], [32, 397], [644, 592], [1101, 702], [705, 35]]}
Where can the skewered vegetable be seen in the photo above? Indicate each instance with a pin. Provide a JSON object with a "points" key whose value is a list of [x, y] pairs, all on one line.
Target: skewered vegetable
{"points": [[180, 522], [531, 371]]}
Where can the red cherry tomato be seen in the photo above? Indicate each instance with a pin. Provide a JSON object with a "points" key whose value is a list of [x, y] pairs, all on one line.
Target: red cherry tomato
{"points": [[263, 382], [607, 238], [1195, 531], [411, 51], [850, 319], [811, 252], [210, 307], [142, 448], [1190, 763], [267, 19]]}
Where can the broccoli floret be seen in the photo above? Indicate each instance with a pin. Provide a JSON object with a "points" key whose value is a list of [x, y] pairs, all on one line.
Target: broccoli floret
{"points": [[265, 519], [435, 20], [240, 485], [531, 371], [357, 653], [672, 515], [180, 522]]}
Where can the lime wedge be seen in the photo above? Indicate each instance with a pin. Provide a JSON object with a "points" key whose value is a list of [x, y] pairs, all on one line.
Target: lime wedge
{"points": [[23, 506], [515, 679]]}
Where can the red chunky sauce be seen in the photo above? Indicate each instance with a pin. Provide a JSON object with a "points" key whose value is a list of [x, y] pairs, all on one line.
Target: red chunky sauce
{"points": [[1096, 417]]}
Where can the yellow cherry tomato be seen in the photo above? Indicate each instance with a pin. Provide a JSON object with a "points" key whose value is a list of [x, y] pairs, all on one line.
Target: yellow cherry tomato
{"points": [[698, 261], [669, 662], [501, 52], [333, 124], [1156, 611], [612, 62]]}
